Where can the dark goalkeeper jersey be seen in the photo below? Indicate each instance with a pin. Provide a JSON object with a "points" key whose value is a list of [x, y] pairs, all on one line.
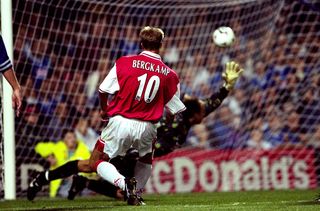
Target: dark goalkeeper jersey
{"points": [[172, 134]]}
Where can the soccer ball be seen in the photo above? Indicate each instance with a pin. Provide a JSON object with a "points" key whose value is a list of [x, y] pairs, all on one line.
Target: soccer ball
{"points": [[223, 36]]}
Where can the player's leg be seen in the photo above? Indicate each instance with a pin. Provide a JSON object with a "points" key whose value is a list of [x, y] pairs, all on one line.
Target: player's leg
{"points": [[109, 173], [143, 167], [118, 140], [142, 173], [97, 154], [124, 164], [66, 170], [44, 177], [99, 186], [88, 166]]}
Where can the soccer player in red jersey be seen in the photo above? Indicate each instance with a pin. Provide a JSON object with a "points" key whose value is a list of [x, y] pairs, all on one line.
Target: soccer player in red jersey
{"points": [[142, 86]]}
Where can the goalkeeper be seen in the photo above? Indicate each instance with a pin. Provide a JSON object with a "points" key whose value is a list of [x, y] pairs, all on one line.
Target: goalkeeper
{"points": [[170, 134]]}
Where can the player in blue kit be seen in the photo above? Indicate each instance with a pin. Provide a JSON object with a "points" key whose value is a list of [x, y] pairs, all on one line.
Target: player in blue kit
{"points": [[7, 70]]}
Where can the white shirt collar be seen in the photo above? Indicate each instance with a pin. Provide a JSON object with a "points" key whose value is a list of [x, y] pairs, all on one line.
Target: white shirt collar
{"points": [[151, 54]]}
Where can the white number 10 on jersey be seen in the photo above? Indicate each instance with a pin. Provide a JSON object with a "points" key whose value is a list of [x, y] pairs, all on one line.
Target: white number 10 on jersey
{"points": [[149, 93]]}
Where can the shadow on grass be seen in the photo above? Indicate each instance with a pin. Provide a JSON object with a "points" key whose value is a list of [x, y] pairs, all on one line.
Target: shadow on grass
{"points": [[69, 208], [311, 202], [75, 208]]}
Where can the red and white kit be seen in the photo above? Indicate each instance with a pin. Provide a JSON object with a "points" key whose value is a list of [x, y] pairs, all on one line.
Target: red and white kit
{"points": [[142, 86]]}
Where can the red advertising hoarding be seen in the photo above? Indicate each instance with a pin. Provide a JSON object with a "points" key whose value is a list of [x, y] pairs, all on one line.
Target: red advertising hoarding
{"points": [[197, 170]]}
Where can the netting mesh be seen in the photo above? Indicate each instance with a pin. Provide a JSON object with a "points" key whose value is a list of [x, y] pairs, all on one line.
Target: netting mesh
{"points": [[63, 49]]}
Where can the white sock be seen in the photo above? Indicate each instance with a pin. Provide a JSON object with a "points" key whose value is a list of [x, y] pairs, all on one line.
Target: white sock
{"points": [[109, 173], [142, 172]]}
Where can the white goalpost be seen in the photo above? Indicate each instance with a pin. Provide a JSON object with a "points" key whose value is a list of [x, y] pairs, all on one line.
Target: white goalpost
{"points": [[9, 170]]}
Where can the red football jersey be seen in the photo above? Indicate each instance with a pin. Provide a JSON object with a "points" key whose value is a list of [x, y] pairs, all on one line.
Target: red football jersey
{"points": [[142, 86]]}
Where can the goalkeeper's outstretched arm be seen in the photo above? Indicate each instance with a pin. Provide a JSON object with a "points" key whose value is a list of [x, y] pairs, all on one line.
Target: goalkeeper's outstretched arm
{"points": [[212, 103], [172, 134], [230, 77]]}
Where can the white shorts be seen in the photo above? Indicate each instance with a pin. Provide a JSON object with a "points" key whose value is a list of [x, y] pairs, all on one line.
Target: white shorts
{"points": [[121, 133]]}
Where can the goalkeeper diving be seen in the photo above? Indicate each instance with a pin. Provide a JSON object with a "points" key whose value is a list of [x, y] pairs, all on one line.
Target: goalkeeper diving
{"points": [[171, 134]]}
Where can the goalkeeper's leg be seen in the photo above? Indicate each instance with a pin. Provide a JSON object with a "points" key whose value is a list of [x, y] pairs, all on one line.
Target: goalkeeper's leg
{"points": [[43, 178], [125, 165], [66, 170], [99, 186]]}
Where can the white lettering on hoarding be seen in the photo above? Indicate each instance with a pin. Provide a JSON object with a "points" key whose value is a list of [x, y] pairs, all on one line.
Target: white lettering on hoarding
{"points": [[279, 174], [25, 168], [181, 166], [251, 175], [161, 187], [265, 173], [205, 168], [302, 178], [230, 175]]}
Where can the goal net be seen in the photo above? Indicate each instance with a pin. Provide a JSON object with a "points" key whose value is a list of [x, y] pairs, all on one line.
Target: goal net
{"points": [[264, 136]]}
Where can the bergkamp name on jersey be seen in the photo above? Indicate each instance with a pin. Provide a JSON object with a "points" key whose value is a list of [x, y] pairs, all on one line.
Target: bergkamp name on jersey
{"points": [[150, 67]]}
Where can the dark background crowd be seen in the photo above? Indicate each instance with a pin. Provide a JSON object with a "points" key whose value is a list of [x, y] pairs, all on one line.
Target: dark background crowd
{"points": [[63, 49]]}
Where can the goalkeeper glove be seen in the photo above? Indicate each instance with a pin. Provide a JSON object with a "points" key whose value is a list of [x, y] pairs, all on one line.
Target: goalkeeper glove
{"points": [[231, 74]]}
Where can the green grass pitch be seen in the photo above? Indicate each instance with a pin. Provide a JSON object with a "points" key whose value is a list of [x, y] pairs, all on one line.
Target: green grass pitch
{"points": [[252, 200]]}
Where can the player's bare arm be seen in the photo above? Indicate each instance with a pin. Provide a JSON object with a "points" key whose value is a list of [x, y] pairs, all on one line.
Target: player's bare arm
{"points": [[9, 74], [103, 96], [16, 94]]}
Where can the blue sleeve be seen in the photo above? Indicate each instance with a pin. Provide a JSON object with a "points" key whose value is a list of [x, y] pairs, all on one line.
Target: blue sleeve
{"points": [[5, 62]]}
